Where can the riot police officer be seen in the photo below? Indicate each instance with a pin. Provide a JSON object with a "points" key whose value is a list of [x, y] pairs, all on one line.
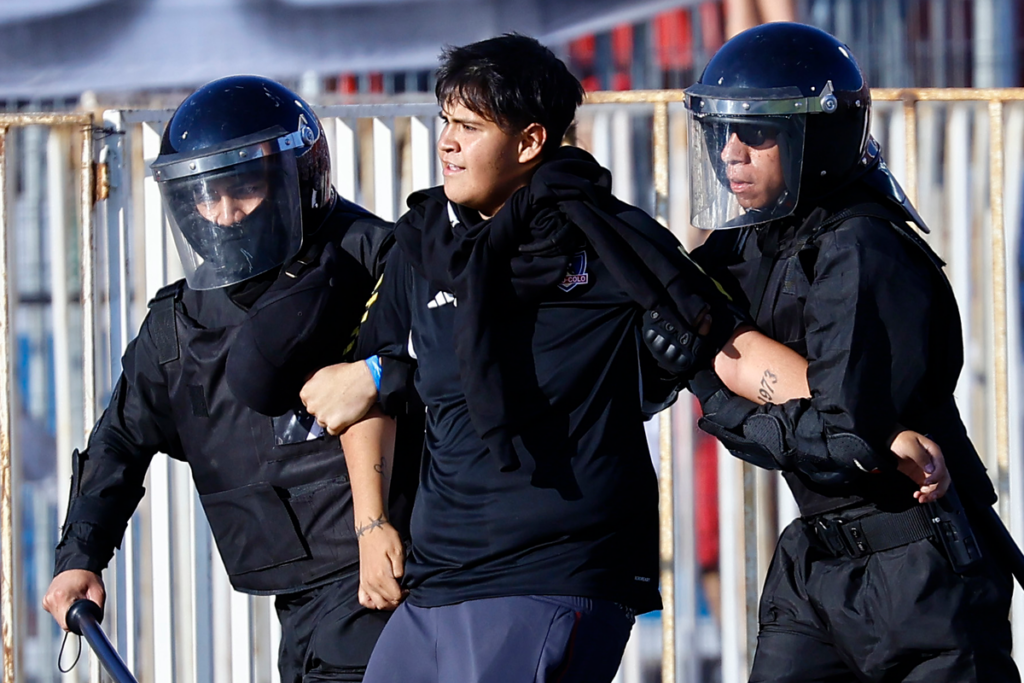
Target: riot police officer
{"points": [[869, 584], [277, 272]]}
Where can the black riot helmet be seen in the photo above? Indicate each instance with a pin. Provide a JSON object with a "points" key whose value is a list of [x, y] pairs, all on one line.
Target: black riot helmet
{"points": [[244, 172], [787, 96]]}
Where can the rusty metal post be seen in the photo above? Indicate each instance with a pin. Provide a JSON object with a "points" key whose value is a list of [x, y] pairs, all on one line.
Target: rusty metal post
{"points": [[995, 112], [666, 507], [910, 133], [6, 502]]}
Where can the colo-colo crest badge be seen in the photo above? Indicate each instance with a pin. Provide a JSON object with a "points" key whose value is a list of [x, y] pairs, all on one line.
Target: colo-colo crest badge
{"points": [[575, 272]]}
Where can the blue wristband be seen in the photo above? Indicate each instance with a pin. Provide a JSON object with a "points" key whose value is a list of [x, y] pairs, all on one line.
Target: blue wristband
{"points": [[373, 362]]}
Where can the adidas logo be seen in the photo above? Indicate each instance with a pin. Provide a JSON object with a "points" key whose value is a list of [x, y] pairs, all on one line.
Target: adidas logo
{"points": [[441, 299]]}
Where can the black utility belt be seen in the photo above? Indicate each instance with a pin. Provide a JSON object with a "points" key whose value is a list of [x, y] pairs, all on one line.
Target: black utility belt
{"points": [[874, 532], [847, 534]]}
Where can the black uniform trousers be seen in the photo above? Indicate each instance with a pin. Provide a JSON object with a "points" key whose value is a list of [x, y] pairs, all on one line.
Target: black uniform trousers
{"points": [[326, 635], [897, 615]]}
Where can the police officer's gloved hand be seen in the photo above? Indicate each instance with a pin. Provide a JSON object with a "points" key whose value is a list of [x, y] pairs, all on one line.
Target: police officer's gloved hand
{"points": [[845, 459], [672, 344]]}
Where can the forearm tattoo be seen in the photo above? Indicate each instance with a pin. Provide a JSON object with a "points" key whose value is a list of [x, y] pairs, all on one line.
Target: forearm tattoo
{"points": [[381, 467], [363, 529], [768, 381]]}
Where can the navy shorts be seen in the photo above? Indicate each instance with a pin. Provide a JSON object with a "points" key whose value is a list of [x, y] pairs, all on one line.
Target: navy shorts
{"points": [[517, 639]]}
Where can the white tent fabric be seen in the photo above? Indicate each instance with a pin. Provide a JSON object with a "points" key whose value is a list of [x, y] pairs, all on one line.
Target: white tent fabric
{"points": [[64, 47]]}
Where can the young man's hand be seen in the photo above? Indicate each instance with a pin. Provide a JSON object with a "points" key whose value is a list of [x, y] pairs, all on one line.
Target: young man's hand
{"points": [[69, 586], [921, 459], [339, 395], [381, 565]]}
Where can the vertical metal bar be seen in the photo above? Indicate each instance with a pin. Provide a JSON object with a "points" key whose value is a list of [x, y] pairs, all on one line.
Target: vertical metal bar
{"points": [[910, 149], [666, 539], [344, 159], [730, 535], [88, 275], [996, 181], [601, 135], [384, 168], [6, 519], [687, 566], [959, 251], [182, 620], [275, 638], [241, 638], [622, 154], [750, 558], [202, 593], [56, 168], [423, 154]]}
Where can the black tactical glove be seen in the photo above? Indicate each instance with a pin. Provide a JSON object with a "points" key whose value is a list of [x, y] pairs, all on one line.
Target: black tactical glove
{"points": [[672, 345]]}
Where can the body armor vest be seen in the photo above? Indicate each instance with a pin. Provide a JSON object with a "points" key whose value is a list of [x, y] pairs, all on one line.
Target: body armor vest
{"points": [[275, 490]]}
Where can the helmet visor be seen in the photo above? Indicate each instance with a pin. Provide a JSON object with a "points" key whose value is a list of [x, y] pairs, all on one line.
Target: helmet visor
{"points": [[744, 170], [235, 222]]}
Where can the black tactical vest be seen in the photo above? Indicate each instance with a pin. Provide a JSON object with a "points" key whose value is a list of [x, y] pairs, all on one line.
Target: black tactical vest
{"points": [[275, 490]]}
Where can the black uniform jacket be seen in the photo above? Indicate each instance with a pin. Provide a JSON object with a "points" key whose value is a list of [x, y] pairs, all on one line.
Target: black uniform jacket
{"points": [[275, 489], [865, 301]]}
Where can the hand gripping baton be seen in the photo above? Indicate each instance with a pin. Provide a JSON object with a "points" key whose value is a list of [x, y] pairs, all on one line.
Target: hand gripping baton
{"points": [[83, 618]]}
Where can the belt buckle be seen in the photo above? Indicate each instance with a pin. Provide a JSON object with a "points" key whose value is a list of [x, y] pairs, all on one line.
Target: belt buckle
{"points": [[828, 532], [842, 538]]}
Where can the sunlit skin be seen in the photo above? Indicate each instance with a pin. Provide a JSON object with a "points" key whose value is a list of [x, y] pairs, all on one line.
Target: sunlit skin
{"points": [[484, 165], [754, 172], [226, 201]]}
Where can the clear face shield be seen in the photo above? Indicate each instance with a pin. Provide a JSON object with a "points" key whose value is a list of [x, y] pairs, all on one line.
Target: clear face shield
{"points": [[235, 212], [743, 171], [745, 158]]}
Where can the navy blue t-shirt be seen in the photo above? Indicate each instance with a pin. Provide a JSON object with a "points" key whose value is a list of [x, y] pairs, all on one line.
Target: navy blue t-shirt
{"points": [[580, 517]]}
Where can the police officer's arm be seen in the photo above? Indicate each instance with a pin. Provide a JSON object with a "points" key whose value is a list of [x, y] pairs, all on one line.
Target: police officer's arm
{"points": [[760, 369], [369, 447], [867, 352], [107, 478]]}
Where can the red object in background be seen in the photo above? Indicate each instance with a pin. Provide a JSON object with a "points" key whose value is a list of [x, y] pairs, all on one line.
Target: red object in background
{"points": [[673, 39], [376, 82], [622, 46], [712, 26], [705, 497], [583, 51], [622, 81], [591, 83], [348, 84]]}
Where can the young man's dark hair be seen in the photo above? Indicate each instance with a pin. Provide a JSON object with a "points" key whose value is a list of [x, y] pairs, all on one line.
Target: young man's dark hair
{"points": [[513, 81]]}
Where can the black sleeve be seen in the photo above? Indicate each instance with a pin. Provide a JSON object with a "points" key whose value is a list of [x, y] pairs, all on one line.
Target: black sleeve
{"points": [[386, 332], [107, 478], [867, 320], [368, 239]]}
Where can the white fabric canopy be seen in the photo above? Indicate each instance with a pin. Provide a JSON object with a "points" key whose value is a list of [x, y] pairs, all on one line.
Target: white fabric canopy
{"points": [[64, 47]]}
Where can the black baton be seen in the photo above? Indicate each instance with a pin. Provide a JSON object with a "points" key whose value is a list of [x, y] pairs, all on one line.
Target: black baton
{"points": [[83, 618]]}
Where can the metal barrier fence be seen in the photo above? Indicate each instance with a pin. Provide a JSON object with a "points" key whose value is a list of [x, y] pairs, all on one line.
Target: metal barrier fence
{"points": [[172, 614]]}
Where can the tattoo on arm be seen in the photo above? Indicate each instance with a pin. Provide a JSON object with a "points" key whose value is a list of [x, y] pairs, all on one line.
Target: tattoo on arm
{"points": [[768, 382], [381, 466], [363, 529]]}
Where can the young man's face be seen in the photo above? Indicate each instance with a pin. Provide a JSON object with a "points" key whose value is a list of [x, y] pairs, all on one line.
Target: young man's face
{"points": [[753, 166], [482, 164], [226, 201]]}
